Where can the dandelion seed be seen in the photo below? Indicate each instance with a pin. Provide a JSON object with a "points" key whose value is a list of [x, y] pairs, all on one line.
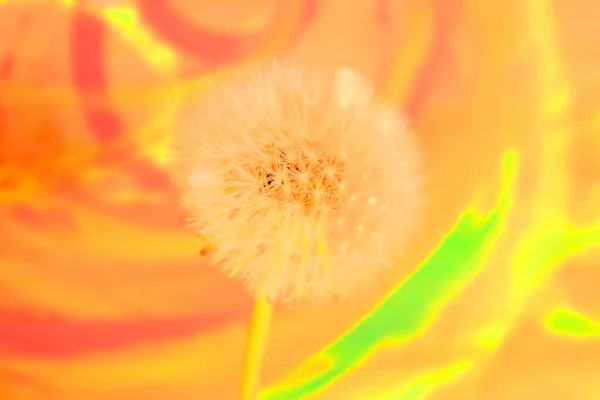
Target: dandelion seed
{"points": [[281, 168]]}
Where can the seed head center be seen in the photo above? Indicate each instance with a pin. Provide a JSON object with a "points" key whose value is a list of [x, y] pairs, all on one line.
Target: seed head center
{"points": [[304, 174]]}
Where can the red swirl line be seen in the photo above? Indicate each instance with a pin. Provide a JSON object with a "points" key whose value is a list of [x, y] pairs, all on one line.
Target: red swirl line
{"points": [[445, 15], [173, 28], [216, 48], [89, 35], [49, 335]]}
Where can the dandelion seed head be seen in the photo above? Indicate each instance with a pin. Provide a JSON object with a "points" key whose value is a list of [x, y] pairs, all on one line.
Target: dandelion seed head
{"points": [[304, 185]]}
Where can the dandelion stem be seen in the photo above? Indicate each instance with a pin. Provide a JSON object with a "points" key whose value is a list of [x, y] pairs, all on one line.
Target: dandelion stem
{"points": [[258, 334]]}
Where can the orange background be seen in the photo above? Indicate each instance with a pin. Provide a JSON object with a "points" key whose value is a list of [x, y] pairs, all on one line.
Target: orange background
{"points": [[103, 294]]}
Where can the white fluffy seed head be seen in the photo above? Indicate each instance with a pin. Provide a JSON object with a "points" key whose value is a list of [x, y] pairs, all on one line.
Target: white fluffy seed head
{"points": [[304, 187]]}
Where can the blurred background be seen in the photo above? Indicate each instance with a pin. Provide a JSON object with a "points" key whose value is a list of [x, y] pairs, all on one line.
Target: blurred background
{"points": [[103, 293]]}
